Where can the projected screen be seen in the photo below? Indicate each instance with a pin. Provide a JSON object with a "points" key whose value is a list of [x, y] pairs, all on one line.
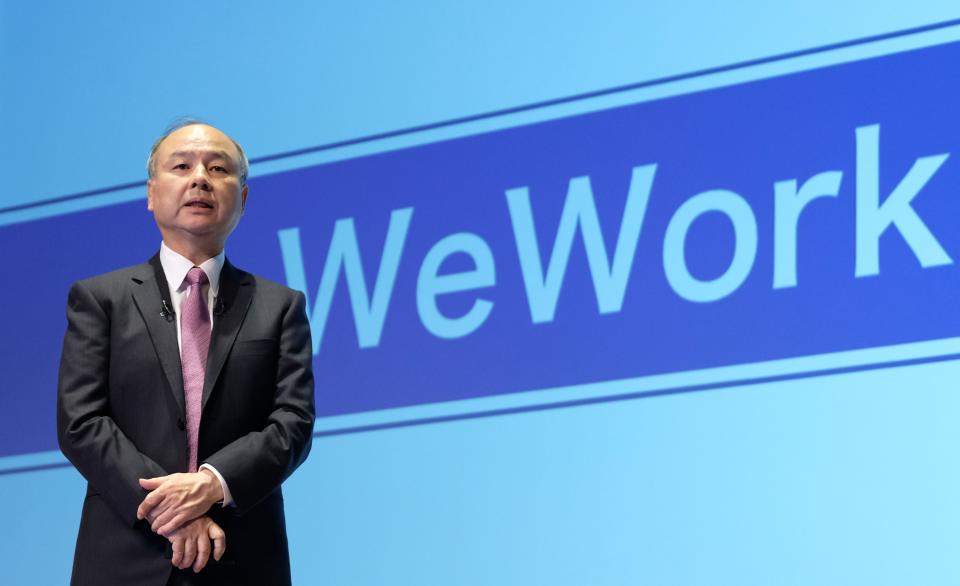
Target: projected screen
{"points": [[695, 331]]}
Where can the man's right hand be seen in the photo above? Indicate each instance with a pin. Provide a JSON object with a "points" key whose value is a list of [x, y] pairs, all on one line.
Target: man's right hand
{"points": [[191, 543]]}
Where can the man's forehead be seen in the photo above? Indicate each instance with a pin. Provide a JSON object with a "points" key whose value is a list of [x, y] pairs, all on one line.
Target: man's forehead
{"points": [[197, 137]]}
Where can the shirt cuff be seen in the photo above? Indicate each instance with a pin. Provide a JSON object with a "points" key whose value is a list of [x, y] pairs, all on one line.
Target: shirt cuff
{"points": [[227, 497]]}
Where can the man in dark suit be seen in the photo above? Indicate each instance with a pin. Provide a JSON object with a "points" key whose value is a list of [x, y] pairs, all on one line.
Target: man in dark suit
{"points": [[186, 393]]}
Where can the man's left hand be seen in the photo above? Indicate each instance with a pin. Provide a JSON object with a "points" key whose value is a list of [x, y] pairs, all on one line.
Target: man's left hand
{"points": [[177, 499]]}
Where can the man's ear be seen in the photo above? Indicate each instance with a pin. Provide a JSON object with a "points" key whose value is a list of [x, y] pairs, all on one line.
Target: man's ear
{"points": [[243, 198], [150, 194]]}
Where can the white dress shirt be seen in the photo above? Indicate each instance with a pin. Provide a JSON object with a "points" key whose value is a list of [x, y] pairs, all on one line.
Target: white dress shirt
{"points": [[175, 268]]}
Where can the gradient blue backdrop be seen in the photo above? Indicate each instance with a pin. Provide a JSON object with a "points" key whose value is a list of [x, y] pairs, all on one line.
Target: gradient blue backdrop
{"points": [[836, 468]]}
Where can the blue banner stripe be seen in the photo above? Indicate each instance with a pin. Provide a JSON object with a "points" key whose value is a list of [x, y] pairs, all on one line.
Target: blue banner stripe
{"points": [[596, 393]]}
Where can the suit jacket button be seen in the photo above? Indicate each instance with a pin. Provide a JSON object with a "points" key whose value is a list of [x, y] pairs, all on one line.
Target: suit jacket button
{"points": [[181, 424]]}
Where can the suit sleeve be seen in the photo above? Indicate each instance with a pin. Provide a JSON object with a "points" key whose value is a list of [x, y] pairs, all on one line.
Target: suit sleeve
{"points": [[255, 464], [88, 436]]}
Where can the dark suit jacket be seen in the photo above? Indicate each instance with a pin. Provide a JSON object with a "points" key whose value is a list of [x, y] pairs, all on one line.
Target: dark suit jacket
{"points": [[120, 417]]}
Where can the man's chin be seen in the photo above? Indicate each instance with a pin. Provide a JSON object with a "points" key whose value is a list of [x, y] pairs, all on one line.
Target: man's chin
{"points": [[194, 231]]}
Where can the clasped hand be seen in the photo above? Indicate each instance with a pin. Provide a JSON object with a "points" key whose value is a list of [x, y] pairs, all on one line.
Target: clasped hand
{"points": [[176, 507], [191, 543]]}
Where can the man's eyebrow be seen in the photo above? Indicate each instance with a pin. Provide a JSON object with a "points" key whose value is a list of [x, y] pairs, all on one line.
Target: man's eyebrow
{"points": [[217, 152]]}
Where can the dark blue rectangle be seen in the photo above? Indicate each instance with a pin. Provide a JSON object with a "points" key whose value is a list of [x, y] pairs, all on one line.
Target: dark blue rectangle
{"points": [[742, 140]]}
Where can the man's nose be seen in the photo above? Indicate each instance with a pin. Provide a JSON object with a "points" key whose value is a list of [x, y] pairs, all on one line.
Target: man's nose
{"points": [[200, 179]]}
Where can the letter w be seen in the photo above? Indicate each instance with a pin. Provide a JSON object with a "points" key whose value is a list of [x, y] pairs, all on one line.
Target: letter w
{"points": [[609, 282], [368, 314]]}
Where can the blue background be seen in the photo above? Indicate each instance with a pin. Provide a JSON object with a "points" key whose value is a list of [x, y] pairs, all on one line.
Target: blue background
{"points": [[827, 472]]}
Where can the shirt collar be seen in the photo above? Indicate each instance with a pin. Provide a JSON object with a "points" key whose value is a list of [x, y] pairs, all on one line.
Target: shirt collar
{"points": [[175, 268]]}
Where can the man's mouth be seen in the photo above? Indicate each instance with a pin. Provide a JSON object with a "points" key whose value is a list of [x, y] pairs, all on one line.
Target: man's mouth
{"points": [[199, 203]]}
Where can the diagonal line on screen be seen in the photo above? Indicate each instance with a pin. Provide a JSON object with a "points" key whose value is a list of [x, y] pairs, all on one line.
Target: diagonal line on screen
{"points": [[526, 107]]}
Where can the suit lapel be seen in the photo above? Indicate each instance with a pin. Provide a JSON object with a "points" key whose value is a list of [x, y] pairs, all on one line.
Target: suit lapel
{"points": [[236, 293], [149, 290]]}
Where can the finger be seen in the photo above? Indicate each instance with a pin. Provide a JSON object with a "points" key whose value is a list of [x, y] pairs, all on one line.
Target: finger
{"points": [[152, 483], [152, 516], [189, 553], [146, 506], [203, 553], [219, 541], [173, 524], [177, 551], [149, 502], [161, 515]]}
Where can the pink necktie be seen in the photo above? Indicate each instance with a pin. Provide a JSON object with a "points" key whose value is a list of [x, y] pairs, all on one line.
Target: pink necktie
{"points": [[194, 344]]}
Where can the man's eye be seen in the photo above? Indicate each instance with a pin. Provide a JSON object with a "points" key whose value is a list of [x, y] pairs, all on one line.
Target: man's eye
{"points": [[218, 169], [181, 166]]}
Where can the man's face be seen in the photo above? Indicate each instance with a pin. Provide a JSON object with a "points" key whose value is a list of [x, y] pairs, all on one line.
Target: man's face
{"points": [[196, 192]]}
